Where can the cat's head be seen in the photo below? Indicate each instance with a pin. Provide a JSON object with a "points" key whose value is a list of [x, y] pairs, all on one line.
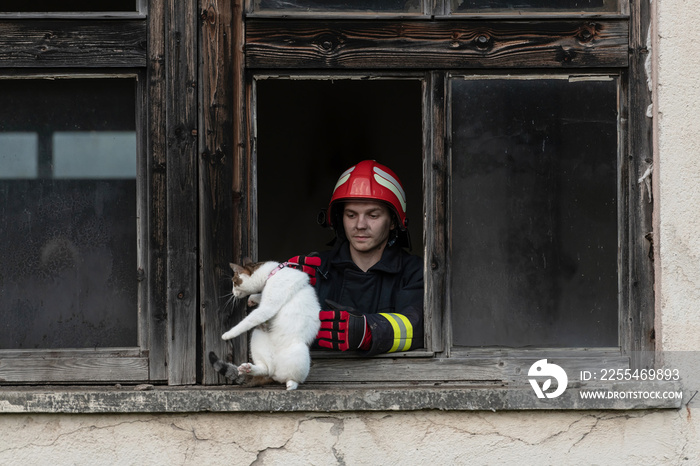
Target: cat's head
{"points": [[243, 284]]}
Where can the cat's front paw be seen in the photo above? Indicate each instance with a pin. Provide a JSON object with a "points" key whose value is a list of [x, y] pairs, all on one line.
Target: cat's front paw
{"points": [[254, 299], [245, 368], [228, 335]]}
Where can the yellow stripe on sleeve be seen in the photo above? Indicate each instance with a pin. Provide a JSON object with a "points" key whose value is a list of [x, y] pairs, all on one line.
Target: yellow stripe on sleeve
{"points": [[403, 331]]}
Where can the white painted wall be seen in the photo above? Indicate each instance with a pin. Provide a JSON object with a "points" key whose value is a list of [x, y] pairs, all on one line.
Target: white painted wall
{"points": [[612, 437]]}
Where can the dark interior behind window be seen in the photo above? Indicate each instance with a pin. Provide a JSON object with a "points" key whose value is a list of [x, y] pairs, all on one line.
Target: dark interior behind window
{"points": [[309, 132]]}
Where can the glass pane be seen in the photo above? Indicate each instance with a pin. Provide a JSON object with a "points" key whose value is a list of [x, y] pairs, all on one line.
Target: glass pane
{"points": [[311, 6], [534, 212], [68, 213], [53, 6], [492, 6]]}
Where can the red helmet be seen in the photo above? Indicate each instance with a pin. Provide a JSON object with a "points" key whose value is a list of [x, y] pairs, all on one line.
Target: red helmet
{"points": [[369, 180]]}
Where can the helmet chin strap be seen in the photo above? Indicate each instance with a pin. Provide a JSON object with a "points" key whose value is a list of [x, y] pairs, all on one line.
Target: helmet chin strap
{"points": [[392, 240]]}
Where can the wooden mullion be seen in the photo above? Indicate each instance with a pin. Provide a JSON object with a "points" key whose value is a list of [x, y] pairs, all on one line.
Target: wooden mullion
{"points": [[434, 197], [155, 306], [338, 44], [142, 7], [638, 338], [142, 210], [435, 7], [181, 172], [242, 186], [41, 43], [216, 149]]}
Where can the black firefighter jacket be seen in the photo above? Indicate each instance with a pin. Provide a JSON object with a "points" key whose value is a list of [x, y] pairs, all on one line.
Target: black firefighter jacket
{"points": [[390, 294]]}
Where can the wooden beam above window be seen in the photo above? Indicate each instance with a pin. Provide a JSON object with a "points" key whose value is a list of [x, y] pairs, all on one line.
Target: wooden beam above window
{"points": [[72, 43], [308, 44]]}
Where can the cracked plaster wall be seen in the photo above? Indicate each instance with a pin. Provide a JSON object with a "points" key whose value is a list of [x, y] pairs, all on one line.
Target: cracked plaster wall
{"points": [[378, 438], [637, 437]]}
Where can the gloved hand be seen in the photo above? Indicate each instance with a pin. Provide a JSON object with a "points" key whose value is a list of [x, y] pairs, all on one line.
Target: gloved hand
{"points": [[343, 328], [306, 264]]}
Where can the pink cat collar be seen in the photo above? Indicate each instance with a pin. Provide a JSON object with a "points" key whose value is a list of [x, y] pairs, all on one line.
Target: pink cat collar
{"points": [[277, 269]]}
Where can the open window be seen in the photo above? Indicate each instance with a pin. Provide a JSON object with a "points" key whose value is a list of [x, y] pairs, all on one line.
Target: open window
{"points": [[528, 197], [532, 227], [309, 130]]}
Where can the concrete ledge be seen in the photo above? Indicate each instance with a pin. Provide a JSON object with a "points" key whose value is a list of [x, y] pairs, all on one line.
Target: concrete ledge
{"points": [[327, 399]]}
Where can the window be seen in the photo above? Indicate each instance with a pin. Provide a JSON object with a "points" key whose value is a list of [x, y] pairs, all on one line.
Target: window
{"points": [[69, 213], [533, 229], [518, 128], [74, 209], [311, 130], [533, 216]]}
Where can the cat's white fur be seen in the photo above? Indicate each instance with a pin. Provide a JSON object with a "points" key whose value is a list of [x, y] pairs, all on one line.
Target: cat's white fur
{"points": [[289, 308]]}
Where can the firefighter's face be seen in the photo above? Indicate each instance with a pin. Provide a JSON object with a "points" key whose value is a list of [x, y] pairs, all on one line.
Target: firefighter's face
{"points": [[367, 225]]}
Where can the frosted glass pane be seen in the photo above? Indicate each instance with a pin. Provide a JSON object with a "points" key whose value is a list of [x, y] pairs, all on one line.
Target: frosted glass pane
{"points": [[99, 154], [18, 155]]}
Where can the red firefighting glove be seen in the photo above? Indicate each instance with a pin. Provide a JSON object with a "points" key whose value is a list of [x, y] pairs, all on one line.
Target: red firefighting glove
{"points": [[343, 328], [306, 264]]}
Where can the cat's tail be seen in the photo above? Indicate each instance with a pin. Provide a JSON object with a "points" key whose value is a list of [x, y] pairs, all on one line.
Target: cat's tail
{"points": [[224, 368]]}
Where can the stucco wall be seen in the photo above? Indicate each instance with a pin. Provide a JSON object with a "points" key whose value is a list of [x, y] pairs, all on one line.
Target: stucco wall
{"points": [[600, 437], [677, 99], [404, 438]]}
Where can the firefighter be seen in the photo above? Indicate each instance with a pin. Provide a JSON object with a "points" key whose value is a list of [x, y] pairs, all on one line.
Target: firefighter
{"points": [[370, 288]]}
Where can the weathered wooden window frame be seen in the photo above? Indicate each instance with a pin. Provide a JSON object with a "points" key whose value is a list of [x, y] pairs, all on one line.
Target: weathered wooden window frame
{"points": [[112, 45], [587, 44], [199, 173]]}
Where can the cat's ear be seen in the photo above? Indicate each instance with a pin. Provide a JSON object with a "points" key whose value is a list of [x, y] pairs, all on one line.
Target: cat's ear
{"points": [[236, 268], [247, 261]]}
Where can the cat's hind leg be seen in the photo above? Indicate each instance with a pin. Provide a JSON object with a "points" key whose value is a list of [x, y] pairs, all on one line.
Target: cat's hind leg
{"points": [[292, 385]]}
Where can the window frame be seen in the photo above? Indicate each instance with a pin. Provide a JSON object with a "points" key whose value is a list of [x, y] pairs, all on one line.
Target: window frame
{"points": [[70, 365], [195, 110], [578, 44], [114, 46]]}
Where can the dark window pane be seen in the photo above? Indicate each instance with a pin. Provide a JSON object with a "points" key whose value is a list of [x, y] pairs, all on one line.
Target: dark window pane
{"points": [[534, 212], [472, 6], [301, 6], [67, 213], [39, 6]]}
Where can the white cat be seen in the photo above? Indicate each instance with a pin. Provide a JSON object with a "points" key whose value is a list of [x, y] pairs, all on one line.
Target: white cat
{"points": [[285, 323]]}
